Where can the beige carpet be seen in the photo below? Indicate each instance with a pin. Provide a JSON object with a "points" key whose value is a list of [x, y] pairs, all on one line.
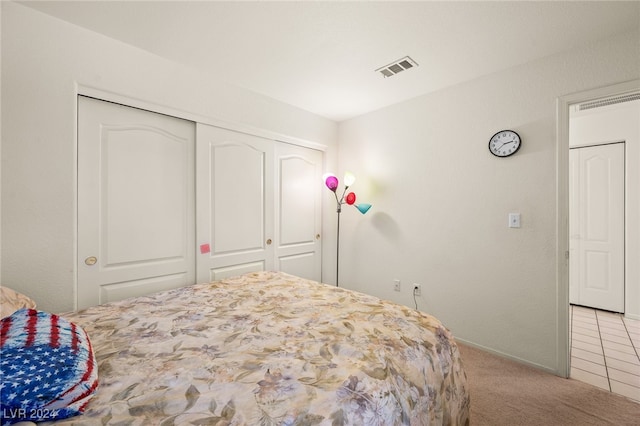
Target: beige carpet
{"points": [[505, 392]]}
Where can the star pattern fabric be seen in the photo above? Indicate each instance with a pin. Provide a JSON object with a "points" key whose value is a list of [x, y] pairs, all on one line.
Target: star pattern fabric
{"points": [[48, 369]]}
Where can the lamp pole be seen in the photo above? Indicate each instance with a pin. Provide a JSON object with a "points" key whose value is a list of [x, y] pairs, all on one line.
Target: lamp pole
{"points": [[331, 181], [338, 245], [339, 203]]}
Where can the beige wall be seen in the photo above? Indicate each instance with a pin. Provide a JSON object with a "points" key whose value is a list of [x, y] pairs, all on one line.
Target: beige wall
{"points": [[441, 200], [43, 61]]}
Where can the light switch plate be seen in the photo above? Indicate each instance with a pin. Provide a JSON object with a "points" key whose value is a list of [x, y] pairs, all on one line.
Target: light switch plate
{"points": [[514, 220]]}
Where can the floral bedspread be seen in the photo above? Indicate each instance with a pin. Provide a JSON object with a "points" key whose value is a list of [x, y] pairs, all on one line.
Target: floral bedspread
{"points": [[269, 348]]}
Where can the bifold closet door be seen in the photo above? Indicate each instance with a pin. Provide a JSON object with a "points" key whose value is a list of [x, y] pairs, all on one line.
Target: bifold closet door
{"points": [[234, 194], [258, 205], [136, 205], [298, 211]]}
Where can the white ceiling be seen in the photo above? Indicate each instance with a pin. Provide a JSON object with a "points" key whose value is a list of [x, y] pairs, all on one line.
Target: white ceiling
{"points": [[321, 56]]}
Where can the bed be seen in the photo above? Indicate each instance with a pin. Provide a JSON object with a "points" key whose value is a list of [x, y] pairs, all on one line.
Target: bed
{"points": [[268, 348]]}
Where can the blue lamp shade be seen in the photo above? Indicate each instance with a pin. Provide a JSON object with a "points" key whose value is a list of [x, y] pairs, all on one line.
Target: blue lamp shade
{"points": [[363, 208]]}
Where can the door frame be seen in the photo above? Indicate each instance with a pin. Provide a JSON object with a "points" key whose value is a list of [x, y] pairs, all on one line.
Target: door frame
{"points": [[563, 105]]}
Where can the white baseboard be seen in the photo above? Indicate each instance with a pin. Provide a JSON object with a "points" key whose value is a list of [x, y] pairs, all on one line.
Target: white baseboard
{"points": [[511, 357], [632, 316]]}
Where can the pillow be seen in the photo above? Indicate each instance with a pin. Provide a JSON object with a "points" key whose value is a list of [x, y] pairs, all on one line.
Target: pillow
{"points": [[11, 301], [48, 369]]}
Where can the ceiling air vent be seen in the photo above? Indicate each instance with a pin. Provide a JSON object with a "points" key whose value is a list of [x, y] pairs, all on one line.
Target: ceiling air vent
{"points": [[397, 67], [609, 101]]}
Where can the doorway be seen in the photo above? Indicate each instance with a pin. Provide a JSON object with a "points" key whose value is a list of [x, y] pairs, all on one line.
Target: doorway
{"points": [[628, 92]]}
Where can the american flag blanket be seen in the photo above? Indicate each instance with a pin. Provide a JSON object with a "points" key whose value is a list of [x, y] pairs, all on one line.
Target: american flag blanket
{"points": [[47, 367]]}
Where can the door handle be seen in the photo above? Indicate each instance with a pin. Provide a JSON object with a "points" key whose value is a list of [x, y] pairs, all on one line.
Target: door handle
{"points": [[91, 260], [269, 242]]}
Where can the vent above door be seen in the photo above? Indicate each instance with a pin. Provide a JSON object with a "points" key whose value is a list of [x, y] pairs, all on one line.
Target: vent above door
{"points": [[609, 101], [397, 67]]}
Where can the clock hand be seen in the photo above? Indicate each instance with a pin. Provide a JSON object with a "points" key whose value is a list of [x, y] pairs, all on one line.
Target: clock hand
{"points": [[506, 143]]}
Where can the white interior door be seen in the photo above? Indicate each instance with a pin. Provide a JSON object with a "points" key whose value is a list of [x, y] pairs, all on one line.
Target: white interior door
{"points": [[597, 226], [298, 211], [136, 207], [234, 172]]}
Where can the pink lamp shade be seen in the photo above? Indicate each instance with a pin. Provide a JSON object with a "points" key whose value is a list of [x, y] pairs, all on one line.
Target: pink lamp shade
{"points": [[332, 183]]}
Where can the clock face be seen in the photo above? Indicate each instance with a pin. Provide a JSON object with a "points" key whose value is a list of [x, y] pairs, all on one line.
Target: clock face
{"points": [[504, 143]]}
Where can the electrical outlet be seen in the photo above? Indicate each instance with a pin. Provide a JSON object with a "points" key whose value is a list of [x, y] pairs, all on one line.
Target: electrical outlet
{"points": [[417, 289], [396, 285]]}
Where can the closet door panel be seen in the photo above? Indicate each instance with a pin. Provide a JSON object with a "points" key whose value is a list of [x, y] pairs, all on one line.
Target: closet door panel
{"points": [[238, 182], [234, 172], [298, 210], [598, 227], [136, 205]]}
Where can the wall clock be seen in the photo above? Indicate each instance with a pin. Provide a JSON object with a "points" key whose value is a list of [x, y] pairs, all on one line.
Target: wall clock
{"points": [[504, 143]]}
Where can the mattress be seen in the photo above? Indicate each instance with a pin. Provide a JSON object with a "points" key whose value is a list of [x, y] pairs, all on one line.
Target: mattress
{"points": [[268, 348]]}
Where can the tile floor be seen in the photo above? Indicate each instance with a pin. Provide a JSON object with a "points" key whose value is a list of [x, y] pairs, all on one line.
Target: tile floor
{"points": [[605, 350]]}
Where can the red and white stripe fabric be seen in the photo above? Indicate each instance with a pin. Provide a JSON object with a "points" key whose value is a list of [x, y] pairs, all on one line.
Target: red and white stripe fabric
{"points": [[48, 370]]}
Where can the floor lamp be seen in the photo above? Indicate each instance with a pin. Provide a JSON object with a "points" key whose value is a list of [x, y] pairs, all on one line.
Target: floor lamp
{"points": [[332, 183]]}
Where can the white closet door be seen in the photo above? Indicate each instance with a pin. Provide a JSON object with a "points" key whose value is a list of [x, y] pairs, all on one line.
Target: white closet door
{"points": [[136, 206], [298, 211], [597, 227], [235, 218]]}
